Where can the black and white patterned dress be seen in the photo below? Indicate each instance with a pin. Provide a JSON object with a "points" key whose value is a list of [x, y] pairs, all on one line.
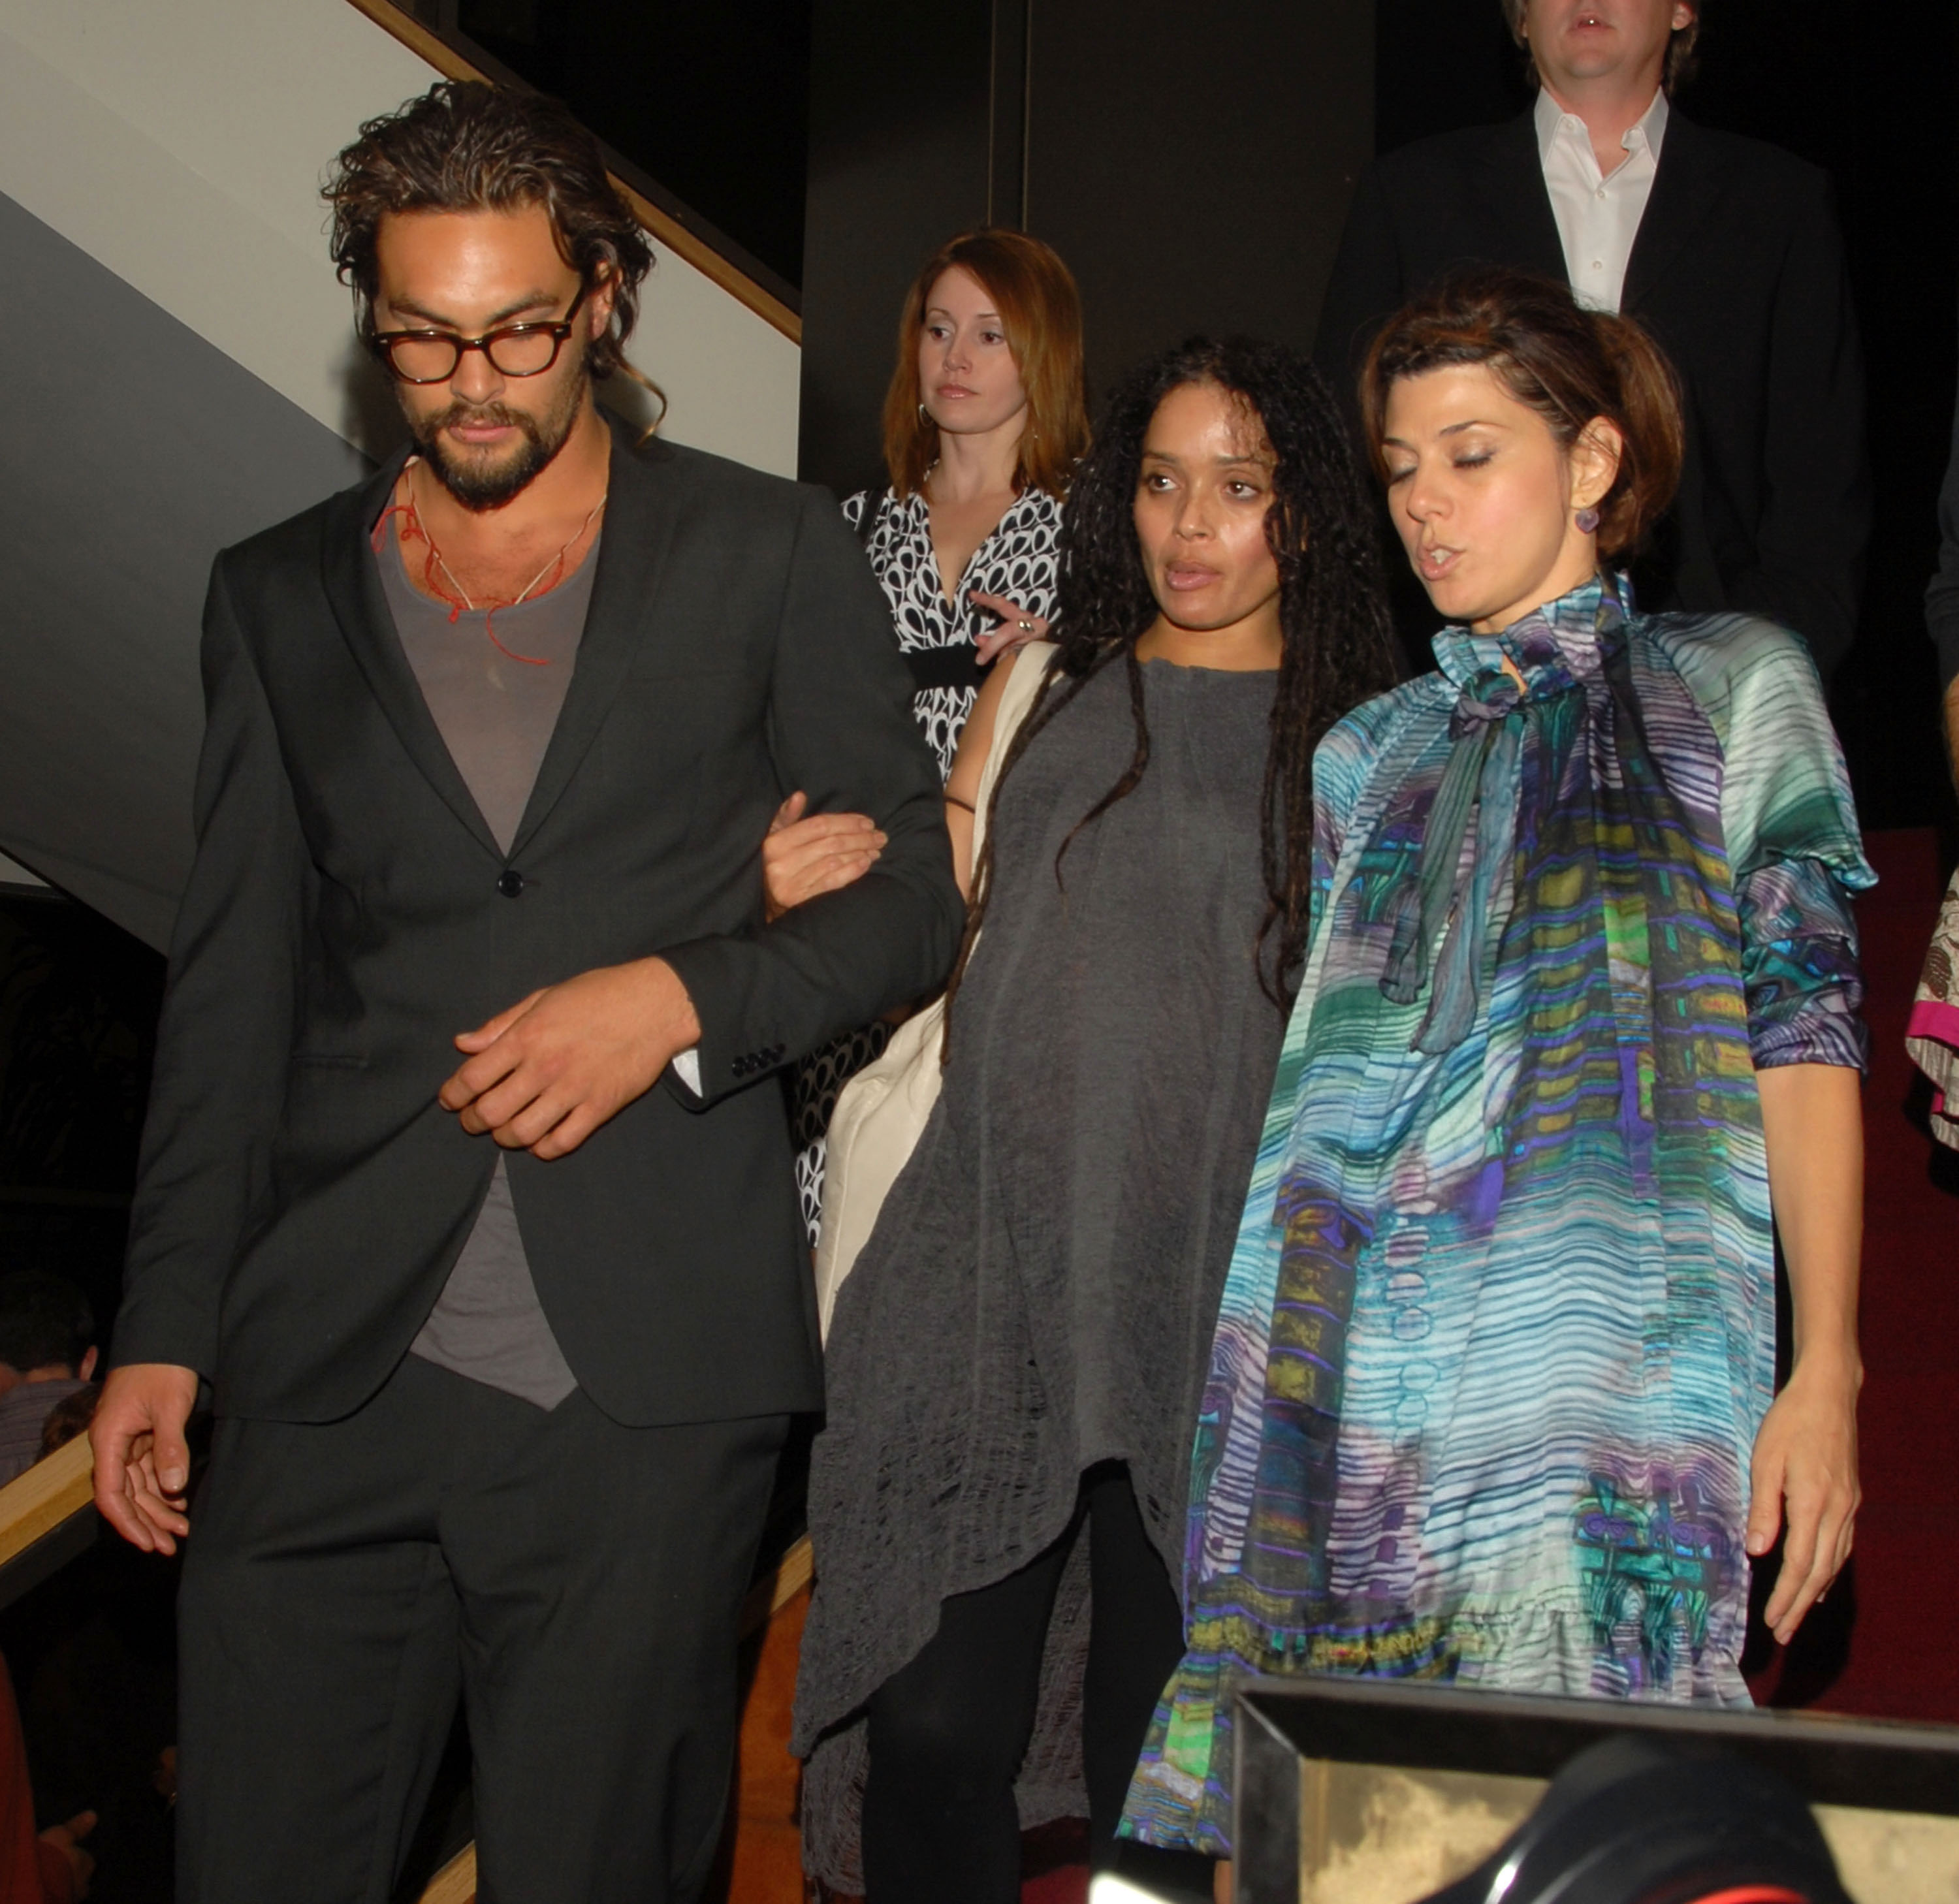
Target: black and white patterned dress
{"points": [[1019, 561]]}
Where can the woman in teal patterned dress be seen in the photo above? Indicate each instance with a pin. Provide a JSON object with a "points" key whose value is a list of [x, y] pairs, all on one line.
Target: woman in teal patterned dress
{"points": [[1491, 1396]]}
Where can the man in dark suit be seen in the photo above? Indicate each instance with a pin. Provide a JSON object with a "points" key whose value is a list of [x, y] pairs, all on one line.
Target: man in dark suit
{"points": [[493, 742], [1725, 248]]}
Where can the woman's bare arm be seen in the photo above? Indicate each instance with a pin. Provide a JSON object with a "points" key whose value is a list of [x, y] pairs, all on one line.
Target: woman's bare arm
{"points": [[1805, 1457]]}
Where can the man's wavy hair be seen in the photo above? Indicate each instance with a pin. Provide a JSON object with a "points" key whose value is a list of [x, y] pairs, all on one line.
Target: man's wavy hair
{"points": [[1679, 69], [1338, 648], [463, 146]]}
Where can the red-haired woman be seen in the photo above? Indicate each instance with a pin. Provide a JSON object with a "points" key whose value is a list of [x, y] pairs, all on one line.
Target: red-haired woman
{"points": [[1492, 1393], [984, 421]]}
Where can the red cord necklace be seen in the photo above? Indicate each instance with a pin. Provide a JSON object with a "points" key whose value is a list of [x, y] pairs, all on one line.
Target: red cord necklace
{"points": [[414, 529]]}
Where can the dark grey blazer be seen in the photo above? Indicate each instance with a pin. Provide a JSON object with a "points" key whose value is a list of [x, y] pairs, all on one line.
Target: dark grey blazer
{"points": [[302, 1196], [1737, 272]]}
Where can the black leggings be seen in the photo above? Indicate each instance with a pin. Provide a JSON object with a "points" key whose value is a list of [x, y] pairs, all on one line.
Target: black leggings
{"points": [[947, 1733]]}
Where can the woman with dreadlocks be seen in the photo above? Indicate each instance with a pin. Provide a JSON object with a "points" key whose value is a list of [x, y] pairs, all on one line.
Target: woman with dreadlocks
{"points": [[1492, 1397], [1018, 1355]]}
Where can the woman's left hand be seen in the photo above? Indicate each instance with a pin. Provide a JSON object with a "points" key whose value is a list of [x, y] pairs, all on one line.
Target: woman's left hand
{"points": [[803, 858], [1017, 627], [1806, 1456]]}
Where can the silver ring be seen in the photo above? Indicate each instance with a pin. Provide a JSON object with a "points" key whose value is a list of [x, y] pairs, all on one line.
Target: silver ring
{"points": [[1025, 627]]}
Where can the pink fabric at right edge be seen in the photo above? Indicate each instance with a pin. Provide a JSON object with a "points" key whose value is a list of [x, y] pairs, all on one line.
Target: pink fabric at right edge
{"points": [[1933, 1018]]}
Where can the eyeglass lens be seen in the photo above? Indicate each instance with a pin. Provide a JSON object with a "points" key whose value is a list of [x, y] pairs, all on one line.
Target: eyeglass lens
{"points": [[522, 353]]}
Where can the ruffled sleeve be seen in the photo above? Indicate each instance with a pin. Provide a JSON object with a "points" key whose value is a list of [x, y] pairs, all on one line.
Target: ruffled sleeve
{"points": [[1795, 850]]}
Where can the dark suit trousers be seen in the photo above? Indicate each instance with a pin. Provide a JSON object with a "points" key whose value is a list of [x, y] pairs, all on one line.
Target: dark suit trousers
{"points": [[575, 1582]]}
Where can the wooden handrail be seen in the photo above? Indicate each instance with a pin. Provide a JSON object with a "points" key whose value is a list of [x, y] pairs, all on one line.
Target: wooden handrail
{"points": [[34, 1504], [455, 1883], [668, 229]]}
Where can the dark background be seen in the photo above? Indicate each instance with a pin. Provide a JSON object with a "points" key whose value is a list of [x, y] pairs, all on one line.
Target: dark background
{"points": [[78, 1004], [1873, 95], [1192, 165]]}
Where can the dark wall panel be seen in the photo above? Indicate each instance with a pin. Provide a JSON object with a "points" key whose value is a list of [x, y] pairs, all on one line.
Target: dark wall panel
{"points": [[899, 125], [1195, 169]]}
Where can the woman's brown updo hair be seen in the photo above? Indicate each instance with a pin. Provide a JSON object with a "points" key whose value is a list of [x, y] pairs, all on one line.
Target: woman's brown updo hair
{"points": [[1569, 364]]}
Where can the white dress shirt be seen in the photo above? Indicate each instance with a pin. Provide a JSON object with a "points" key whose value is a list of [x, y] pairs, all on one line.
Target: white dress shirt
{"points": [[1598, 214]]}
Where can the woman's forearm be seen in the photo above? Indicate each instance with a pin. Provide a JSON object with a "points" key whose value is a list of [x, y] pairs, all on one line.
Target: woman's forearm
{"points": [[1813, 1125], [1803, 1478]]}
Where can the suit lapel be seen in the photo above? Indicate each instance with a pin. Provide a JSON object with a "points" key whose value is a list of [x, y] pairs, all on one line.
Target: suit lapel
{"points": [[1511, 191], [641, 508], [353, 589], [1683, 192]]}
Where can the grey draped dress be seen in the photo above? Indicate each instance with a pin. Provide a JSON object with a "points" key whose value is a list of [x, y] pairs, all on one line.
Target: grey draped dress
{"points": [[1040, 1292]]}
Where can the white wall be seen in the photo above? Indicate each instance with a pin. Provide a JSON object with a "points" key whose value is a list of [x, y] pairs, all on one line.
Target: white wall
{"points": [[182, 144]]}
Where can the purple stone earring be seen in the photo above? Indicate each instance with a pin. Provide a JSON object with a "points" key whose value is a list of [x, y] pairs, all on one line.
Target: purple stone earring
{"points": [[1588, 521]]}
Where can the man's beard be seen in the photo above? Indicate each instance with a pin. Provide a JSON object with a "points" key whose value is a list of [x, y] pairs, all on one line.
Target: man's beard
{"points": [[480, 486]]}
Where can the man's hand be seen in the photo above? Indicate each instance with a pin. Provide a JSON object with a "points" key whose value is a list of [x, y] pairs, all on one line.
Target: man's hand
{"points": [[67, 1840], [142, 1463], [802, 857], [544, 1075], [1806, 1455]]}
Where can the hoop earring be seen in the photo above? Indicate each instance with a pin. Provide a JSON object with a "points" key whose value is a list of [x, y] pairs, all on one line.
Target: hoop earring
{"points": [[1587, 520], [922, 418]]}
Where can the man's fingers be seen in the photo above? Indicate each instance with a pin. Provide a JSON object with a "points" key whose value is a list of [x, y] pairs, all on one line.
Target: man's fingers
{"points": [[170, 1460], [530, 1121], [789, 812], [486, 1034], [568, 1133], [164, 1511], [81, 1825], [495, 1110], [117, 1508], [482, 1074]]}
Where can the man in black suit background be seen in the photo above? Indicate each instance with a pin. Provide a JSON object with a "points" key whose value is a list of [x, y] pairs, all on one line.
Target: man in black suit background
{"points": [[1725, 248], [493, 741], [1942, 603]]}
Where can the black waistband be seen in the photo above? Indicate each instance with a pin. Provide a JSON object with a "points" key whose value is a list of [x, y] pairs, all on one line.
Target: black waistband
{"points": [[956, 666]]}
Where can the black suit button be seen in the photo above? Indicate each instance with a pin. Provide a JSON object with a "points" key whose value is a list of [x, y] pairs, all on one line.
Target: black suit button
{"points": [[510, 883]]}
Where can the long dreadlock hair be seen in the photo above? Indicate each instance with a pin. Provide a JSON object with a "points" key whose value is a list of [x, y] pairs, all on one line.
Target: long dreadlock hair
{"points": [[1337, 651]]}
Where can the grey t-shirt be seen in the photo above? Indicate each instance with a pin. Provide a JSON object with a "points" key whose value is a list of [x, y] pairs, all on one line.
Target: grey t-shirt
{"points": [[495, 693]]}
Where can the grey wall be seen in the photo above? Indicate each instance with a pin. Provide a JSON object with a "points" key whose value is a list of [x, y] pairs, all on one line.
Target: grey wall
{"points": [[1193, 166], [133, 451]]}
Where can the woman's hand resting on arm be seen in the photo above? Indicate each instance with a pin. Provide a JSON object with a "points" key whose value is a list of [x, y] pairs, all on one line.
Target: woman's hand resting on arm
{"points": [[804, 856], [1804, 1478], [823, 853]]}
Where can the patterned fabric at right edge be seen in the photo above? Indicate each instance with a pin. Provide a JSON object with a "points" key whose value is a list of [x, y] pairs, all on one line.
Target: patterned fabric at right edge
{"points": [[1500, 1327], [1932, 1033]]}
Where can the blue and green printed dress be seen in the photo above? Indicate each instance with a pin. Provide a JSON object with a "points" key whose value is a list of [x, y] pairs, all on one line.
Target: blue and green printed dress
{"points": [[1499, 1330]]}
